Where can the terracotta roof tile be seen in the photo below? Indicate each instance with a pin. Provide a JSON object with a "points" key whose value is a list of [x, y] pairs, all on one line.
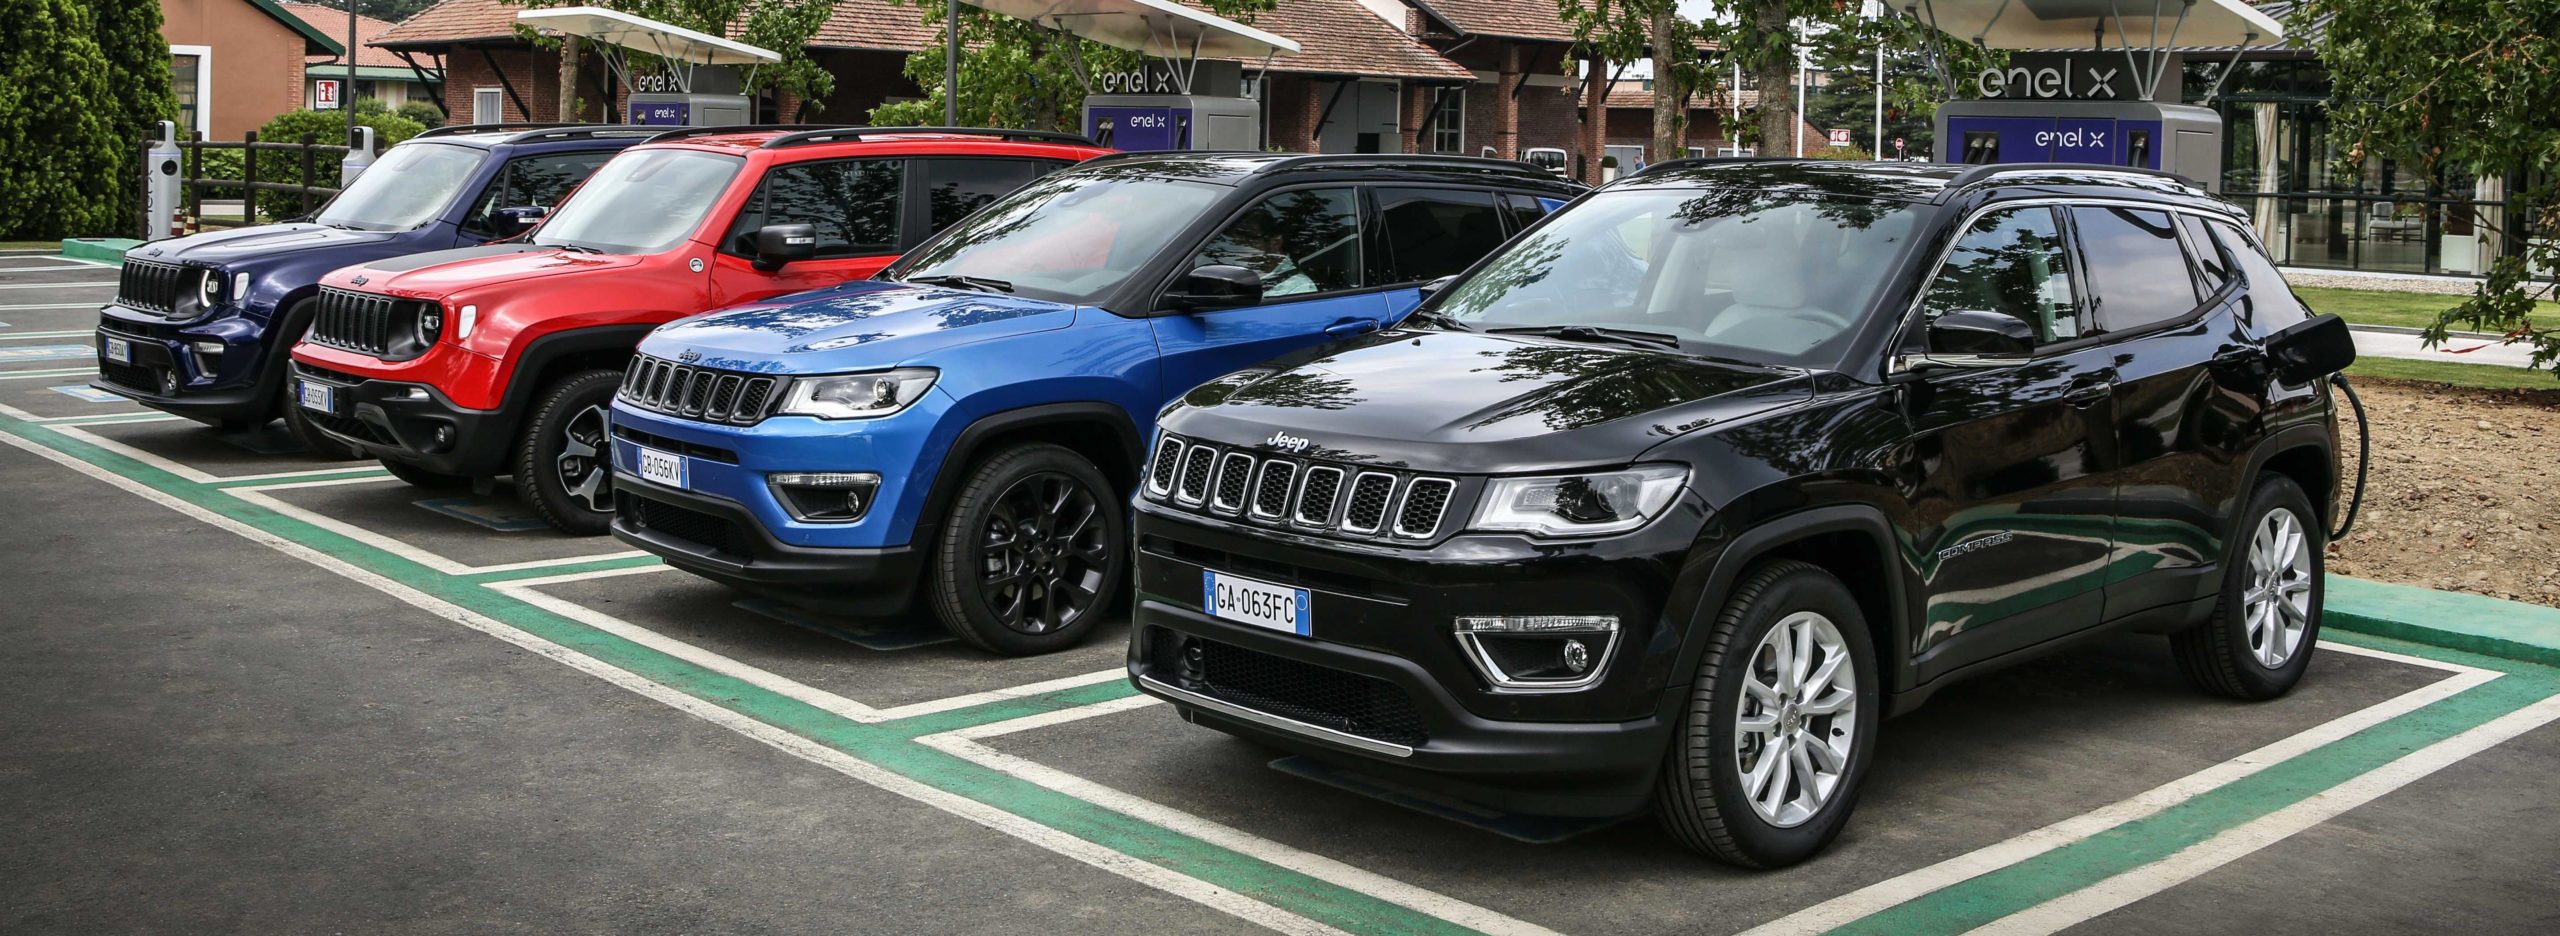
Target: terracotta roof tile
{"points": [[453, 21], [1515, 19], [1341, 37], [1633, 93], [876, 24]]}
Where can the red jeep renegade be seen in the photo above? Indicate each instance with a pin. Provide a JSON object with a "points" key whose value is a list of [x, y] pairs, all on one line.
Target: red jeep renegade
{"points": [[458, 366]]}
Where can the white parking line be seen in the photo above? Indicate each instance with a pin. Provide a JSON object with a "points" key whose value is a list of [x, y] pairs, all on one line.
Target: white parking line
{"points": [[11, 264], [106, 284], [48, 373], [25, 336], [196, 475], [964, 744], [2239, 841], [1903, 888], [35, 306], [108, 419], [256, 494], [1151, 875]]}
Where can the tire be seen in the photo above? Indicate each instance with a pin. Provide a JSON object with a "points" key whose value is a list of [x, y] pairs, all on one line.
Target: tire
{"points": [[297, 321], [420, 477], [564, 465], [1032, 553], [1703, 795], [2257, 644]]}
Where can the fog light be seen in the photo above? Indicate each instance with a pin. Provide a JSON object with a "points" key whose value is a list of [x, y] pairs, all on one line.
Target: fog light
{"points": [[443, 438], [169, 382], [1538, 652], [824, 496]]}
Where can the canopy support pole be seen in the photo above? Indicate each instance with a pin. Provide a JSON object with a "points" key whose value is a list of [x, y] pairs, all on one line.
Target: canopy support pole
{"points": [[2215, 93]]}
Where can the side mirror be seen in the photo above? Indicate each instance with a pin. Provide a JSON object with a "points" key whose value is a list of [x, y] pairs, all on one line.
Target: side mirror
{"points": [[2311, 349], [520, 219], [779, 244], [1216, 286], [1973, 331], [1434, 287]]}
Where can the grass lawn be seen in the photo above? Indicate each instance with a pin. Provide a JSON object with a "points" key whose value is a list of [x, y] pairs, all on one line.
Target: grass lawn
{"points": [[2410, 310], [2482, 376]]}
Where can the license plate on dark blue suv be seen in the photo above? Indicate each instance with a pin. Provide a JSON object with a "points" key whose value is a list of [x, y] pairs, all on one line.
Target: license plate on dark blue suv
{"points": [[1261, 604]]}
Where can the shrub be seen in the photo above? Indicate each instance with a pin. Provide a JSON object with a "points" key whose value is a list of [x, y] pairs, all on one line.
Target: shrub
{"points": [[323, 127], [65, 158], [138, 95], [426, 113]]}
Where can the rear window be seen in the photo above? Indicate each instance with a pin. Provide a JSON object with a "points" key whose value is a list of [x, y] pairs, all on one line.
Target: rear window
{"points": [[2137, 272], [1431, 233], [2270, 306]]}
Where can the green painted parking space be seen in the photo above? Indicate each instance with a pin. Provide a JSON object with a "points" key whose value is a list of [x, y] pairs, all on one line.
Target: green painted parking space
{"points": [[909, 749]]}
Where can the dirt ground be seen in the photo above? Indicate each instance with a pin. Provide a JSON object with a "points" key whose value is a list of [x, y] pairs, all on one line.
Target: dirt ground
{"points": [[2464, 493]]}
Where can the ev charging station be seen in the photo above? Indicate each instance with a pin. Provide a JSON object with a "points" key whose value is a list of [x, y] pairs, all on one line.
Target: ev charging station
{"points": [[1175, 101], [704, 84], [2102, 105]]}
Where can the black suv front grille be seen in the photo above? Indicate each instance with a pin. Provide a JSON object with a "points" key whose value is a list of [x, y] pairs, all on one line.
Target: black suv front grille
{"points": [[1338, 500], [707, 394], [684, 523], [369, 323], [1303, 692], [153, 287]]}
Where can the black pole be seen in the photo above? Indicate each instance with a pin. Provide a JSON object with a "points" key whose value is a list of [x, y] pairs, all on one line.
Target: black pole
{"points": [[951, 65], [347, 95]]}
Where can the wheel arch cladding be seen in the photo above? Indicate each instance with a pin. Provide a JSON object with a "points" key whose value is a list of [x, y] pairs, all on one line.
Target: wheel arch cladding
{"points": [[559, 354], [2307, 463], [1852, 542], [1114, 448]]}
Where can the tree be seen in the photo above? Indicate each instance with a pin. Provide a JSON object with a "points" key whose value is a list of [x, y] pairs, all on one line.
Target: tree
{"points": [[1017, 73], [2459, 84], [1626, 30], [785, 26], [138, 93], [64, 157]]}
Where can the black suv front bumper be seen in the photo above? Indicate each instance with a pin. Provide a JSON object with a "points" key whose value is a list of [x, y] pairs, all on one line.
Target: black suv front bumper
{"points": [[241, 387], [721, 540], [1384, 683], [410, 423]]}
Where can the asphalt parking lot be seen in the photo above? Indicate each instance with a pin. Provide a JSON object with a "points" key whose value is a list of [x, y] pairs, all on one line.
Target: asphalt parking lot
{"points": [[246, 690]]}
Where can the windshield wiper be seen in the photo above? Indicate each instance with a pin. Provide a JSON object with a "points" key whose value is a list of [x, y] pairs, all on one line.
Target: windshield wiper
{"points": [[964, 281], [1439, 318], [1626, 336], [572, 248]]}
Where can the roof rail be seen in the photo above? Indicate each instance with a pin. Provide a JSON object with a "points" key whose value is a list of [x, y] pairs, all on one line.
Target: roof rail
{"points": [[1691, 162], [460, 129], [1396, 160], [580, 132], [856, 134], [687, 133], [1984, 173]]}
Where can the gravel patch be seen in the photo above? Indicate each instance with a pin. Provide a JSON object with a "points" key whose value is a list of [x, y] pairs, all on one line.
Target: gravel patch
{"points": [[2464, 493]]}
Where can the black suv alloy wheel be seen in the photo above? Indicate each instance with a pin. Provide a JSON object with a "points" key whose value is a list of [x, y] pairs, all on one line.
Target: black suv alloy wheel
{"points": [[1031, 553]]}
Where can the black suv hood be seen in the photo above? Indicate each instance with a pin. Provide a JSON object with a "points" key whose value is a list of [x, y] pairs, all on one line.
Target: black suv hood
{"points": [[227, 248], [1477, 403]]}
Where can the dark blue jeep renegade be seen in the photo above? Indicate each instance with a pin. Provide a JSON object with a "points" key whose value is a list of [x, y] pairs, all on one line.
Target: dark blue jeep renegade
{"points": [[198, 321]]}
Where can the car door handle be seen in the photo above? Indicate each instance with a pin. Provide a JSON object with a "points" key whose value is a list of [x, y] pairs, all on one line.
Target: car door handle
{"points": [[1349, 327], [2088, 396]]}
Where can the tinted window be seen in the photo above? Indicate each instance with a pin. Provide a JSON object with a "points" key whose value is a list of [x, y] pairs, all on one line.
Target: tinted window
{"points": [[412, 185], [533, 182], [2011, 262], [1301, 242], [1433, 233], [957, 188], [2213, 265], [2136, 268], [2271, 306], [1069, 237], [1525, 210], [852, 202], [642, 201]]}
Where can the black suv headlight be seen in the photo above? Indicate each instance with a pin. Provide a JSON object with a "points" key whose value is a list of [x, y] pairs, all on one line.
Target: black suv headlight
{"points": [[1588, 504]]}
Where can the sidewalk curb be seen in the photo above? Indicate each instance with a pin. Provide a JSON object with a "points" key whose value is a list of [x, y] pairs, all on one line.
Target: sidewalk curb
{"points": [[101, 249], [2406, 330], [2494, 627]]}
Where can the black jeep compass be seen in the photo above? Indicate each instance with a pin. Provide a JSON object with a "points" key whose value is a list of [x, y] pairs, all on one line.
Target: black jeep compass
{"points": [[1681, 491]]}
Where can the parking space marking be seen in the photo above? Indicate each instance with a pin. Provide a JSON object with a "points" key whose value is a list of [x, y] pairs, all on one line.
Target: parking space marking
{"points": [[108, 284], [1904, 888], [23, 336], [257, 494], [751, 674], [965, 743], [106, 419], [38, 306], [2239, 841], [10, 264], [48, 374]]}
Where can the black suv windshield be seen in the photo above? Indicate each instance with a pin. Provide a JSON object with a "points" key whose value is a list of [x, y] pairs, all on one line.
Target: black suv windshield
{"points": [[410, 186], [1750, 275], [644, 201], [1067, 238]]}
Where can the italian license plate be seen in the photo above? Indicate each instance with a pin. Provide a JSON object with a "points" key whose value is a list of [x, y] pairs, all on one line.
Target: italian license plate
{"points": [[661, 467], [320, 397], [1260, 604], [119, 350]]}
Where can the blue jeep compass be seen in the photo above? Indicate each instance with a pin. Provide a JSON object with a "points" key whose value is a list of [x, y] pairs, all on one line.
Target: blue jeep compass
{"points": [[972, 419], [199, 323]]}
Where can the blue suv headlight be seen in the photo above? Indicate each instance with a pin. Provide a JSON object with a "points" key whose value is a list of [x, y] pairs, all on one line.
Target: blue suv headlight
{"points": [[857, 396]]}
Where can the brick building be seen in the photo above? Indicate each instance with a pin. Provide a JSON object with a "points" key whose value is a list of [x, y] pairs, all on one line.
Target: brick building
{"points": [[380, 75], [236, 64]]}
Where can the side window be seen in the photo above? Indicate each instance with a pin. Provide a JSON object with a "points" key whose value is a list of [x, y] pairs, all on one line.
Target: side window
{"points": [[531, 182], [2010, 262], [1301, 242], [1525, 210], [956, 188], [2271, 306], [1431, 233], [854, 204], [2137, 271], [2213, 263]]}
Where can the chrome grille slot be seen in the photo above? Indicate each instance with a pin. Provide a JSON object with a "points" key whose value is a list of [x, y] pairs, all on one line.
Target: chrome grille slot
{"points": [[1271, 493], [1370, 493], [1426, 502], [1168, 458], [1316, 497], [1194, 488], [1234, 474]]}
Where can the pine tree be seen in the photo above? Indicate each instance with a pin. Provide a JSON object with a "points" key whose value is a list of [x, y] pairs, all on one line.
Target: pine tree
{"points": [[59, 151]]}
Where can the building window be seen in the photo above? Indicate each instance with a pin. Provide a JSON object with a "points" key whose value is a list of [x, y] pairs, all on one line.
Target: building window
{"points": [[190, 78], [1449, 125], [488, 105]]}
